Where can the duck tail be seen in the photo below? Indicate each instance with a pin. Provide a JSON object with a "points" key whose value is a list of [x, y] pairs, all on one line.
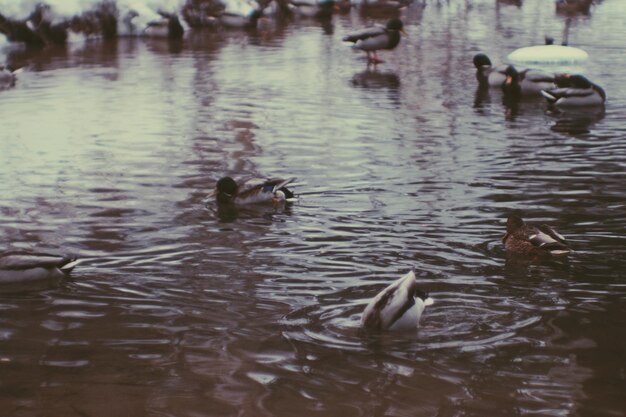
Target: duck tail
{"points": [[68, 267], [548, 96]]}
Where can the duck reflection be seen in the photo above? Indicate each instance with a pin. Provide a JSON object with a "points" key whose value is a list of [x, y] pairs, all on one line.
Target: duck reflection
{"points": [[576, 122], [227, 213], [373, 79]]}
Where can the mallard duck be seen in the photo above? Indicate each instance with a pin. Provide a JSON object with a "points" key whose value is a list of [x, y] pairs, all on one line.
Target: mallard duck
{"points": [[574, 91], [486, 73], [397, 307], [526, 82], [530, 240], [375, 38], [252, 191], [26, 268]]}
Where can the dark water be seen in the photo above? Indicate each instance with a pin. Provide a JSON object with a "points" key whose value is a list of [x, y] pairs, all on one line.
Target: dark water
{"points": [[107, 151]]}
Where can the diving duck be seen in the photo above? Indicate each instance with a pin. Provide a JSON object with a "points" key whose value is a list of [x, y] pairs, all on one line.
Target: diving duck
{"points": [[377, 37], [397, 307], [24, 267], [574, 91], [486, 73], [525, 239], [252, 191], [526, 82]]}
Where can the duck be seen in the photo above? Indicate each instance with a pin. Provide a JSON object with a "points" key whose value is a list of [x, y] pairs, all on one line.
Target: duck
{"points": [[312, 8], [526, 82], [397, 307], [20, 267], [486, 73], [573, 6], [525, 239], [7, 76], [376, 38], [251, 191], [168, 27], [574, 91], [239, 13]]}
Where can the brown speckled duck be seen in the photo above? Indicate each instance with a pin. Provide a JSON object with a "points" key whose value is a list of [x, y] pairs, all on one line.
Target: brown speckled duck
{"points": [[525, 239]]}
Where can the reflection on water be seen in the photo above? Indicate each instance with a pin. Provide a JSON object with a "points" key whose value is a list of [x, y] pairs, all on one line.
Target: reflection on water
{"points": [[108, 150]]}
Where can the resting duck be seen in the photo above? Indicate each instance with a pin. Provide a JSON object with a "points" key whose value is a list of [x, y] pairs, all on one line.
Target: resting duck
{"points": [[312, 8], [240, 13], [486, 73], [525, 239], [25, 268], [397, 307], [573, 6], [526, 82], [252, 191], [574, 91], [168, 27], [7, 76], [375, 38]]}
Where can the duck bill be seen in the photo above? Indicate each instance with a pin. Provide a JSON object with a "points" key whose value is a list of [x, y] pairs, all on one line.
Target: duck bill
{"points": [[508, 80], [404, 33]]}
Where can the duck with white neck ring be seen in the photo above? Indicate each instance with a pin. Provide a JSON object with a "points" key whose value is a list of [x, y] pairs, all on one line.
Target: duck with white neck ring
{"points": [[397, 307]]}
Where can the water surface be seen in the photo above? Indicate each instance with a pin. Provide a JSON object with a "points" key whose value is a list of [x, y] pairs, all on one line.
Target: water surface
{"points": [[108, 149]]}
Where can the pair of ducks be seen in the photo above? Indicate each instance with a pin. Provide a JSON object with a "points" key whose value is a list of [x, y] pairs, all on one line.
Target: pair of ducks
{"points": [[560, 90], [397, 307]]}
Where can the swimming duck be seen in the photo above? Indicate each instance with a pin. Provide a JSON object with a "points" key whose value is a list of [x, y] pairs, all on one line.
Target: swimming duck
{"points": [[252, 191], [377, 37], [526, 82], [397, 307], [25, 267], [530, 240], [486, 73], [574, 91]]}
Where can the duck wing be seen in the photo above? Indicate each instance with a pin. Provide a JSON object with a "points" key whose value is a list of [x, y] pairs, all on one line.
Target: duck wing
{"points": [[260, 189], [365, 33], [25, 260], [537, 76], [552, 242]]}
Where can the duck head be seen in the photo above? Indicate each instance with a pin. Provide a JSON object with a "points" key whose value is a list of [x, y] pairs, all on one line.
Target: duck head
{"points": [[481, 60], [226, 189], [513, 223], [396, 25]]}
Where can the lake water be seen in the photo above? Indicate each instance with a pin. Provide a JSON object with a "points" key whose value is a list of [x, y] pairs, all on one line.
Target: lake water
{"points": [[108, 149]]}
